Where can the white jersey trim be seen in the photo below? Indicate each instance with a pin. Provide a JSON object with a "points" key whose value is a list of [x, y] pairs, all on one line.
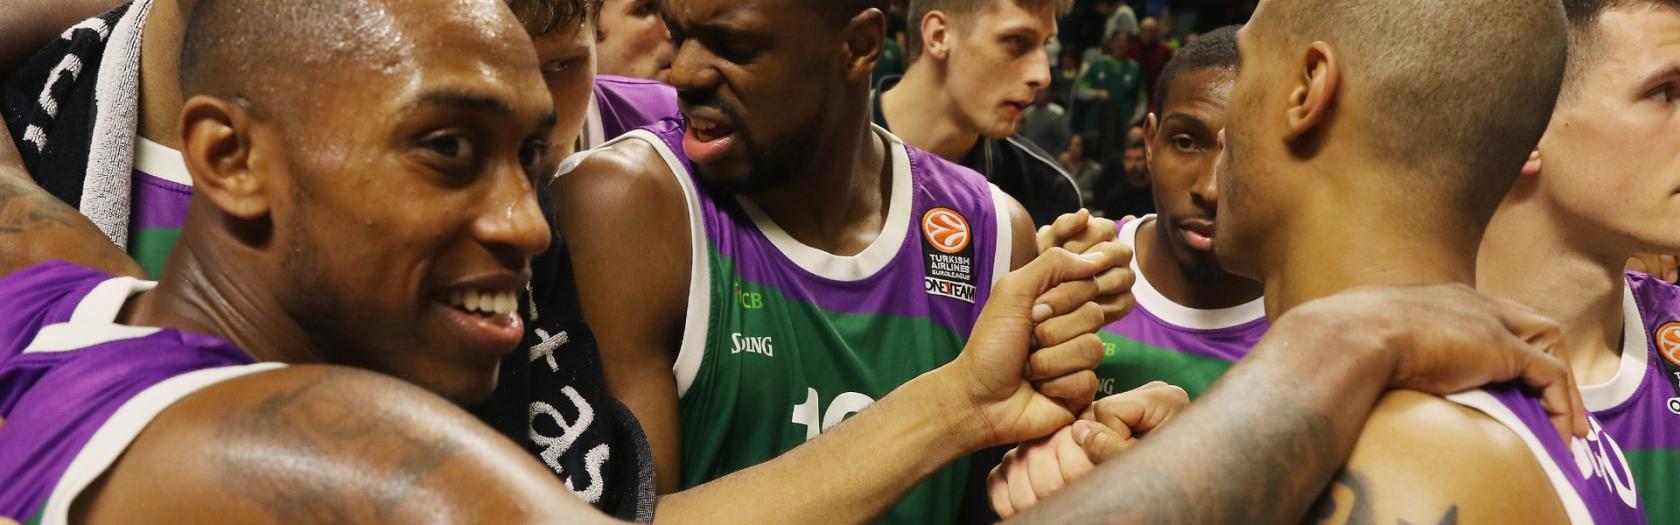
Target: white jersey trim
{"points": [[118, 432], [160, 161], [872, 259], [1176, 314], [1485, 403], [1630, 374], [692, 351], [1005, 234], [90, 324]]}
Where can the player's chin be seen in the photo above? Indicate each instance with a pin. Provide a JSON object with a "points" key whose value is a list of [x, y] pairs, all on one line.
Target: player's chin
{"points": [[464, 382]]}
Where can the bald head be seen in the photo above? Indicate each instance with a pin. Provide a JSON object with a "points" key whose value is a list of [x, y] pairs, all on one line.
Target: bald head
{"points": [[1462, 89], [264, 52]]}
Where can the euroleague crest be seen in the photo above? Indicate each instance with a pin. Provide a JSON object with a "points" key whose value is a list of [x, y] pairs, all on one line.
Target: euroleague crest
{"points": [[948, 254], [1668, 344]]}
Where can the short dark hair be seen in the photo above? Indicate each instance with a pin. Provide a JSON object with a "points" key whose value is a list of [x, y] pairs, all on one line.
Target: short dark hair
{"points": [[1215, 50], [1459, 91], [1584, 34], [541, 17], [961, 9]]}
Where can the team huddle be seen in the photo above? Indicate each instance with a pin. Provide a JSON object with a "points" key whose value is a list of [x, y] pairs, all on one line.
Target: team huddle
{"points": [[553, 261]]}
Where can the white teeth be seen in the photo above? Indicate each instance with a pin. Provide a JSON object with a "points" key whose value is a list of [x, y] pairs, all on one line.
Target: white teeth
{"points": [[485, 302]]}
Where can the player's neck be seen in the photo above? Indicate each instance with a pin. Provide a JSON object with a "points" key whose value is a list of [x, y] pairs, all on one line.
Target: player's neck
{"points": [[1533, 256], [202, 291], [1371, 239], [840, 204], [160, 85], [1155, 260], [920, 110]]}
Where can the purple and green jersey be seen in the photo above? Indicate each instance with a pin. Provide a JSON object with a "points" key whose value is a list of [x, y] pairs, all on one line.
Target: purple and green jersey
{"points": [[76, 388], [162, 189], [1587, 475], [1164, 341], [784, 341], [1640, 406]]}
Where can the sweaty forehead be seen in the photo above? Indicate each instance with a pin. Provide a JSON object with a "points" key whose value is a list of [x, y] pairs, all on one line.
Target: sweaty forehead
{"points": [[472, 43]]}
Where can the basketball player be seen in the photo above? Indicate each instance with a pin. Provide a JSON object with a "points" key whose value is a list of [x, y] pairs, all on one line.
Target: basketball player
{"points": [[1600, 189], [832, 272], [1193, 320], [1391, 187], [975, 68], [632, 40], [290, 205]]}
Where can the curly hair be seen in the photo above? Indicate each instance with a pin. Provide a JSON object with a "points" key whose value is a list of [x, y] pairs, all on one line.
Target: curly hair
{"points": [[542, 16]]}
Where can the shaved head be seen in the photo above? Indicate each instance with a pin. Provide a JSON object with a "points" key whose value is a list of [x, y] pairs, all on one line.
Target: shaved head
{"points": [[1458, 88]]}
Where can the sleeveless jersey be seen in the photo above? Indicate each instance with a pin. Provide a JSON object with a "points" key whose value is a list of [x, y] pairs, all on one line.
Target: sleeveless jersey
{"points": [[76, 389], [161, 191], [1583, 473], [784, 341], [1640, 406], [1164, 341], [622, 104]]}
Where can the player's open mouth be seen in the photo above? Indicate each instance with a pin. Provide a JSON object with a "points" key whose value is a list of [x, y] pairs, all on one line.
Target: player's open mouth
{"points": [[707, 139], [488, 318], [1198, 234]]}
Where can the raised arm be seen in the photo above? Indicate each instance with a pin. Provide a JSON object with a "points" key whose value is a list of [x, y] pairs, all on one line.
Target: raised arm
{"points": [[36, 227], [317, 444], [30, 24], [1266, 440]]}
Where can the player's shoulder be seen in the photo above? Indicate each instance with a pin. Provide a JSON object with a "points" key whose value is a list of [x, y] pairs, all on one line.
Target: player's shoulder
{"points": [[638, 169], [41, 295], [1419, 451], [1656, 297]]}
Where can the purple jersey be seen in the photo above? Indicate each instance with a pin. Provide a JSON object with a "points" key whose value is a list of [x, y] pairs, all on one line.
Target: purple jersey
{"points": [[76, 389], [1584, 473], [1164, 341], [783, 341], [1641, 404], [622, 104]]}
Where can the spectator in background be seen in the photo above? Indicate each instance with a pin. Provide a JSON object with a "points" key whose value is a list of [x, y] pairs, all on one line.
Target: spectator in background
{"points": [[1084, 170], [892, 61], [1109, 94], [1122, 20], [1150, 53], [631, 40], [1046, 124], [1065, 79], [1124, 187]]}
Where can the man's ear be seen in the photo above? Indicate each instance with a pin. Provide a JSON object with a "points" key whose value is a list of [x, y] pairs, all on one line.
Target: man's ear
{"points": [[866, 37], [1151, 124], [1312, 99], [217, 146], [1531, 168], [936, 35]]}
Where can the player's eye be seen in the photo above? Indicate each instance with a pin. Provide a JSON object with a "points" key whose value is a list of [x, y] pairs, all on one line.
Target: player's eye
{"points": [[560, 66], [531, 154], [449, 147], [1183, 143]]}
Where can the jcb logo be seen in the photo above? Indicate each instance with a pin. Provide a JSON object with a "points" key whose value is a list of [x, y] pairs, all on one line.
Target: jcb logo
{"points": [[749, 300]]}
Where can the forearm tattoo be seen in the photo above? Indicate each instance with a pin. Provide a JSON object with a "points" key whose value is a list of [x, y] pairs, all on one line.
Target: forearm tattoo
{"points": [[1350, 498]]}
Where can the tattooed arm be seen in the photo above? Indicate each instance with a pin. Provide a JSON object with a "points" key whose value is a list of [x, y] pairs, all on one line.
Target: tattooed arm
{"points": [[1266, 440], [1423, 460], [317, 444], [35, 227]]}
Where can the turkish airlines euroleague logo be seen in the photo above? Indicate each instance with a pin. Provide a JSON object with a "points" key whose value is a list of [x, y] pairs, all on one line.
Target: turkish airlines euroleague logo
{"points": [[1668, 342], [946, 230]]}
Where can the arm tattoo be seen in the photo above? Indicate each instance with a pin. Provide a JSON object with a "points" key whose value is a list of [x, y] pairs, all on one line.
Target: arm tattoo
{"points": [[1358, 498], [315, 454], [24, 207], [1258, 460]]}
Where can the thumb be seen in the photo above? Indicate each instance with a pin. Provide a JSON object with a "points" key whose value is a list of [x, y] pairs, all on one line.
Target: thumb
{"points": [[1100, 442]]}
